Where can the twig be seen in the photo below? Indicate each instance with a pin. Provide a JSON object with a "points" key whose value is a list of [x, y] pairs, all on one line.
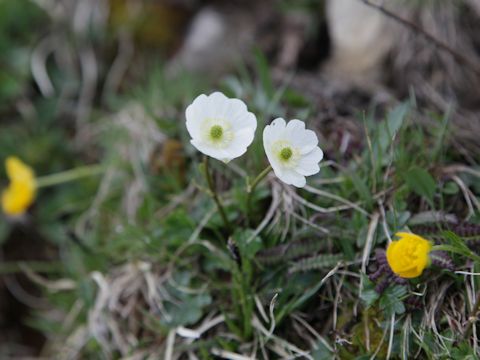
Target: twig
{"points": [[372, 227], [119, 66], [39, 67], [390, 339], [337, 198], [416, 28], [89, 71], [472, 317], [170, 345], [51, 285]]}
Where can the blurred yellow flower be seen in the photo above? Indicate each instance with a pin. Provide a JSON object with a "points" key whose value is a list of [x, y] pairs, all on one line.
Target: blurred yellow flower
{"points": [[409, 255], [21, 191]]}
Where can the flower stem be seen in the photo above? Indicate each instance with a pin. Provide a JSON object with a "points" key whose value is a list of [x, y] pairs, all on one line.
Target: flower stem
{"points": [[251, 188], [214, 194], [69, 175]]}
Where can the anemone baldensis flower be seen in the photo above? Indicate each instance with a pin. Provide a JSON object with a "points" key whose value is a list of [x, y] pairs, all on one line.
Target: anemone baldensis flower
{"points": [[21, 191], [409, 255], [292, 151], [220, 127]]}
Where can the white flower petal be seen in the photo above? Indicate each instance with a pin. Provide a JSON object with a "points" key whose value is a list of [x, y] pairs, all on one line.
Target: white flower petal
{"points": [[217, 105], [308, 164], [194, 113], [295, 126], [268, 139], [273, 132], [219, 154], [278, 127], [291, 177], [243, 120], [305, 140], [242, 137]]}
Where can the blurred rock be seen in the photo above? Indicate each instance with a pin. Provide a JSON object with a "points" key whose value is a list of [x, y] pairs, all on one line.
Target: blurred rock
{"points": [[361, 37], [213, 42], [221, 36], [293, 38], [475, 5]]}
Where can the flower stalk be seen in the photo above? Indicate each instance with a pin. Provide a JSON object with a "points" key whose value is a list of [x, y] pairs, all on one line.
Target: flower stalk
{"points": [[214, 193], [69, 175], [252, 186]]}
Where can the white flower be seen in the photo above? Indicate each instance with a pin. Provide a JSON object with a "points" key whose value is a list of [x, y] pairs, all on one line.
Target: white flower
{"points": [[292, 151], [220, 127]]}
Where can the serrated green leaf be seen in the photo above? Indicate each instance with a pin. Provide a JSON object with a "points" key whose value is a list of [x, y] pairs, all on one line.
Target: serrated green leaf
{"points": [[391, 300], [247, 242], [369, 296]]}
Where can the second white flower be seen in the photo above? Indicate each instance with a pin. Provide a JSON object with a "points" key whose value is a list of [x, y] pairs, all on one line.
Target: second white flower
{"points": [[292, 151]]}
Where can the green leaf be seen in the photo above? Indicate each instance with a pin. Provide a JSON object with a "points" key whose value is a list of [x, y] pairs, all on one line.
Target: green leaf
{"points": [[177, 227], [390, 127], [369, 296], [184, 308], [361, 187], [457, 246], [247, 242], [421, 182], [463, 351], [391, 300], [451, 188], [263, 69], [299, 298], [322, 352]]}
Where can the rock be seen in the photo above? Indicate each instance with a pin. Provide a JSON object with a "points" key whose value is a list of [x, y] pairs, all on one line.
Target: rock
{"points": [[214, 42], [361, 37]]}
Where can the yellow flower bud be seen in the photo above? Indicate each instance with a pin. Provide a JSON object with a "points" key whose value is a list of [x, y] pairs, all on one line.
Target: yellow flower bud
{"points": [[409, 255], [21, 191]]}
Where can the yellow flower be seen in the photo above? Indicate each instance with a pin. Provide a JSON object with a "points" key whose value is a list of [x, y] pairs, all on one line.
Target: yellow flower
{"points": [[21, 191], [409, 255]]}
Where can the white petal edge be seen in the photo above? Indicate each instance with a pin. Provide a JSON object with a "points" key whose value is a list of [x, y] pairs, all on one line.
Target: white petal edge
{"points": [[194, 115], [308, 165], [219, 154], [290, 177]]}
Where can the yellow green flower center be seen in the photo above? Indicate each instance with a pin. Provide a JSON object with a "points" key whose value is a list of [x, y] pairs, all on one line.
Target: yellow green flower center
{"points": [[216, 132], [286, 153]]}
